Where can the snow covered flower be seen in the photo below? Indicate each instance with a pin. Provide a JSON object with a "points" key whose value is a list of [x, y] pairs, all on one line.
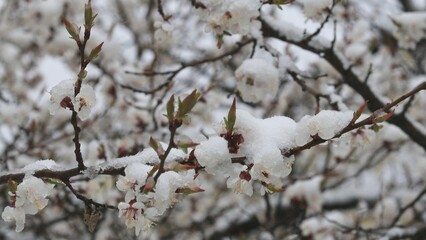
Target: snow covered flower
{"points": [[62, 96], [326, 124], [165, 190], [265, 141], [269, 164], [213, 154], [411, 27], [315, 9], [256, 79]]}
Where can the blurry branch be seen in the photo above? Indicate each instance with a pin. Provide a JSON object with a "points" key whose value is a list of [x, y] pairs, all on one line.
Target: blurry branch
{"points": [[161, 10], [183, 66], [197, 4], [289, 215], [309, 38], [313, 92], [128, 22], [407, 5], [374, 159], [86, 200], [350, 78], [419, 196]]}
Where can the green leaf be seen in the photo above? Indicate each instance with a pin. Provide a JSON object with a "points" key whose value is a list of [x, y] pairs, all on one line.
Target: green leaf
{"points": [[360, 110], [72, 29], [376, 127], [156, 146], [88, 15], [170, 107], [95, 52], [13, 186], [186, 119], [187, 104], [384, 117], [232, 116], [189, 190]]}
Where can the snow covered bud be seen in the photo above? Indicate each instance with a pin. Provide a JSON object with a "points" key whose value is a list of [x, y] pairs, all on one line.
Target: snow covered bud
{"points": [[256, 79], [326, 124], [214, 156]]}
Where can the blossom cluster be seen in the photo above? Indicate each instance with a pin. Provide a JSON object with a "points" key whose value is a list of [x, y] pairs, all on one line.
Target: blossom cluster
{"points": [[147, 199], [230, 16], [260, 142], [263, 144], [62, 96], [29, 198]]}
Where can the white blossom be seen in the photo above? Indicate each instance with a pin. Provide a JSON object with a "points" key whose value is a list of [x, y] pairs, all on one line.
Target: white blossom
{"points": [[62, 96], [84, 101], [30, 197], [59, 93], [240, 185], [132, 214], [135, 178], [33, 192], [411, 27], [256, 79], [14, 214]]}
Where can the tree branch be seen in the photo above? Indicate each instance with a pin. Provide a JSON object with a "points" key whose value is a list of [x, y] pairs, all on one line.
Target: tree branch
{"points": [[350, 78]]}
